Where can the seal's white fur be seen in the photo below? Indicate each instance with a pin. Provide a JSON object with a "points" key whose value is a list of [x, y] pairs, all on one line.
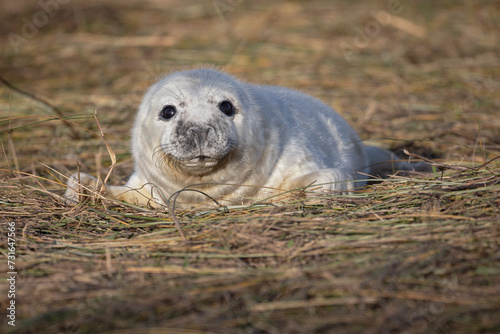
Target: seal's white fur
{"points": [[278, 139]]}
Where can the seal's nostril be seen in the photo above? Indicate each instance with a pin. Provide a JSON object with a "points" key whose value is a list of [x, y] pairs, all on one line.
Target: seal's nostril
{"points": [[210, 133]]}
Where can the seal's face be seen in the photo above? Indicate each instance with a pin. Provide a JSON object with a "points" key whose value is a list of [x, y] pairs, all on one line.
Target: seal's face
{"points": [[198, 134], [190, 123]]}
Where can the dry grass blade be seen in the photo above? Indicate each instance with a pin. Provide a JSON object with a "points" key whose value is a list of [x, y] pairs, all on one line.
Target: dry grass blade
{"points": [[305, 304], [55, 109], [412, 254], [112, 154]]}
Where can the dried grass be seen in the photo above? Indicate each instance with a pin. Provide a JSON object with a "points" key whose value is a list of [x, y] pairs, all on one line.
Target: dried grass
{"points": [[415, 254]]}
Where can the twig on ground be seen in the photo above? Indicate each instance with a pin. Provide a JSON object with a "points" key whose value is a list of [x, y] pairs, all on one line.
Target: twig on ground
{"points": [[56, 110], [440, 165]]}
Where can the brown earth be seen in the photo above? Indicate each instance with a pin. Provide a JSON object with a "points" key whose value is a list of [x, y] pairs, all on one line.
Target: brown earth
{"points": [[413, 254]]}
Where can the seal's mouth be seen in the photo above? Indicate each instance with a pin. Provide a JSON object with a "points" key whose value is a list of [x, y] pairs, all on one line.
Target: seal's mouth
{"points": [[199, 165], [198, 162]]}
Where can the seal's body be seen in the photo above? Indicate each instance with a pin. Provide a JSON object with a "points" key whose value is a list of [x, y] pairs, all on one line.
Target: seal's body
{"points": [[236, 142]]}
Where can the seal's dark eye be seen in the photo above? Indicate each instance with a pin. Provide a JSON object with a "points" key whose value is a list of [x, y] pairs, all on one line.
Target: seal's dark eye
{"points": [[167, 112], [227, 108]]}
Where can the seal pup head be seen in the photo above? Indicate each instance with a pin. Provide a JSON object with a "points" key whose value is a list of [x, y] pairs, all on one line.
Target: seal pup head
{"points": [[192, 122]]}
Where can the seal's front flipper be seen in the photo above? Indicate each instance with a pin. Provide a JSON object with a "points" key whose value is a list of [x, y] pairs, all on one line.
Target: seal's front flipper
{"points": [[81, 186]]}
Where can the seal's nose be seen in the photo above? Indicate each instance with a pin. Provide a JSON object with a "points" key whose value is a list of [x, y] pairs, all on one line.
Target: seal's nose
{"points": [[201, 135]]}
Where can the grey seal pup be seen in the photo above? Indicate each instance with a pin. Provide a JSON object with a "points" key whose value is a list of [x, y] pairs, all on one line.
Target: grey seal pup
{"points": [[205, 131]]}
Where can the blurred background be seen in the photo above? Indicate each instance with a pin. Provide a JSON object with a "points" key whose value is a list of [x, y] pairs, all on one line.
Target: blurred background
{"points": [[396, 70], [418, 74]]}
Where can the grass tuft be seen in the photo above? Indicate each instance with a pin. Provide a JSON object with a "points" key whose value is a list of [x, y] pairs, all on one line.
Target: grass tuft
{"points": [[413, 254]]}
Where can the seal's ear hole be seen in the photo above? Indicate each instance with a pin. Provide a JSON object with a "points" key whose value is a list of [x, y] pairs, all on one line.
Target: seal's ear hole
{"points": [[167, 112], [227, 108]]}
